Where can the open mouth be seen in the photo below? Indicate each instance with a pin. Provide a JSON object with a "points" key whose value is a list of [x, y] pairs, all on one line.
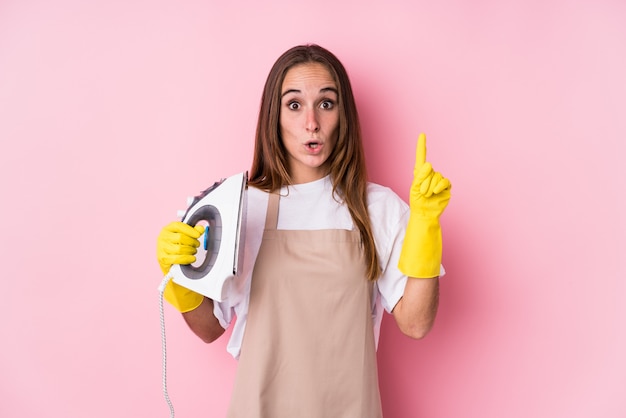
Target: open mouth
{"points": [[312, 144]]}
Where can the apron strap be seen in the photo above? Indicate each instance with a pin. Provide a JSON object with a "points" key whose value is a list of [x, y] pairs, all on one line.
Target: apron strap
{"points": [[271, 220]]}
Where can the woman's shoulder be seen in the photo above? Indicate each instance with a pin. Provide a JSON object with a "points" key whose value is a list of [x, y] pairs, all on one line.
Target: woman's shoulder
{"points": [[383, 196], [388, 217], [256, 207], [388, 212]]}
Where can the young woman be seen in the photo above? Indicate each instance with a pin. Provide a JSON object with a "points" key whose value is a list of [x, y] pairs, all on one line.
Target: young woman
{"points": [[326, 251]]}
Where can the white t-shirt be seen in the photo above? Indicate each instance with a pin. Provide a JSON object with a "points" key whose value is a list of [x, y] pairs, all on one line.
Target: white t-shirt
{"points": [[312, 206]]}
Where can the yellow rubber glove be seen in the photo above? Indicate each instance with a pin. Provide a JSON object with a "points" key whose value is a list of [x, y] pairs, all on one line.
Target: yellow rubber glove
{"points": [[430, 193], [177, 244]]}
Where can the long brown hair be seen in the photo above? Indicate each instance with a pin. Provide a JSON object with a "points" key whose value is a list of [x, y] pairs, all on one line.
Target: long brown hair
{"points": [[348, 173]]}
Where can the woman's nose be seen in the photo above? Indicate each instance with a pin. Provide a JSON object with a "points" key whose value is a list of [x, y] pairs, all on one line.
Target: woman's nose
{"points": [[312, 124]]}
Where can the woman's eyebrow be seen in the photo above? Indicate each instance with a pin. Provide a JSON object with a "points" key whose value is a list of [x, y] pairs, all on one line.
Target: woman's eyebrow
{"points": [[323, 90], [286, 92]]}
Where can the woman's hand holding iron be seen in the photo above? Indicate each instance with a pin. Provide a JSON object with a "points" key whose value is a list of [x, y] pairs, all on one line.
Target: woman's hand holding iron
{"points": [[177, 244]]}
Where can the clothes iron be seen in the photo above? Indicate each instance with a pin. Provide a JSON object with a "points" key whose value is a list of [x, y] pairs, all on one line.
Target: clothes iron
{"points": [[222, 209]]}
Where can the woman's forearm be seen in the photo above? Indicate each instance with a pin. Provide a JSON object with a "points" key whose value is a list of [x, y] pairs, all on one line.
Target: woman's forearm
{"points": [[416, 311], [203, 322]]}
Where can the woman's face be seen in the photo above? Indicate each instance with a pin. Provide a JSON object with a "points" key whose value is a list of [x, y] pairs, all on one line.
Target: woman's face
{"points": [[309, 120]]}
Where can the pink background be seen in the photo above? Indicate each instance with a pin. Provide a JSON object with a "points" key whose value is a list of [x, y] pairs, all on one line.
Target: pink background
{"points": [[112, 112]]}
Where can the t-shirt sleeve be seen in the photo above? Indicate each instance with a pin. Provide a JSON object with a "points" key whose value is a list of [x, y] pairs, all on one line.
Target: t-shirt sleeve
{"points": [[392, 281], [224, 313], [389, 215]]}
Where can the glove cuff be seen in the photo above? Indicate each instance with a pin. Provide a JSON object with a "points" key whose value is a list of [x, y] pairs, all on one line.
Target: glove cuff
{"points": [[181, 298], [422, 248]]}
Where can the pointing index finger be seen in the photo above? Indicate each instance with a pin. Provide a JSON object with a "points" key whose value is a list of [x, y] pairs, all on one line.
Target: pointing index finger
{"points": [[420, 152]]}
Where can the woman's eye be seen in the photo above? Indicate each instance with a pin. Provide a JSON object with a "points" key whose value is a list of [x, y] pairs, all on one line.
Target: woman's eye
{"points": [[327, 104], [293, 105]]}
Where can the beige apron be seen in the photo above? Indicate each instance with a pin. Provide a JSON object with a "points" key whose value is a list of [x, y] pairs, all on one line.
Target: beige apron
{"points": [[308, 349]]}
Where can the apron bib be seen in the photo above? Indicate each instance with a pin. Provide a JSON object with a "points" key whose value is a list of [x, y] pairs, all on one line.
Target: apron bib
{"points": [[308, 349]]}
